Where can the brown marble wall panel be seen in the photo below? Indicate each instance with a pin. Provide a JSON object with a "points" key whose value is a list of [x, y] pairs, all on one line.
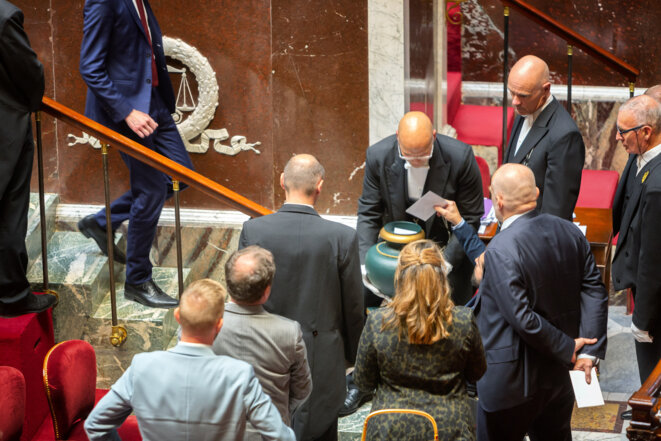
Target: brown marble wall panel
{"points": [[320, 93], [627, 29], [291, 75]]}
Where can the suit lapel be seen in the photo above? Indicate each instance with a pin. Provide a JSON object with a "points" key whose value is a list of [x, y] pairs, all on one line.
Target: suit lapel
{"points": [[136, 18], [396, 182], [516, 130], [537, 132], [437, 179]]}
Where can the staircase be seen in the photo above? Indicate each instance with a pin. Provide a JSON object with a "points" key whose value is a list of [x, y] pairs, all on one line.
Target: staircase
{"points": [[78, 272]]}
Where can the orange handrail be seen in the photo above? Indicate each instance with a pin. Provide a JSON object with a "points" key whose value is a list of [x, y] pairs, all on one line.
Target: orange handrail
{"points": [[405, 411], [575, 39], [156, 160]]}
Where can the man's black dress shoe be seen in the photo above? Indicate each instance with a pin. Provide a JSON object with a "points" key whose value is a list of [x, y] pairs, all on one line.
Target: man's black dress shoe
{"points": [[149, 294], [90, 228], [626, 415], [354, 399], [29, 304]]}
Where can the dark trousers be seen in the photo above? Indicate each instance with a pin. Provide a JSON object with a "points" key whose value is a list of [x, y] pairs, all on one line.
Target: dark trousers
{"points": [[150, 188], [648, 355], [15, 173], [547, 417]]}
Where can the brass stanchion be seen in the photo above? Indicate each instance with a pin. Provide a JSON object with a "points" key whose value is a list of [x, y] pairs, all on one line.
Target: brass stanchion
{"points": [[570, 57], [506, 28], [177, 235]]}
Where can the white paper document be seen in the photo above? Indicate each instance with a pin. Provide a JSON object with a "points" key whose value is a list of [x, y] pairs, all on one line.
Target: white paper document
{"points": [[424, 207], [587, 395]]}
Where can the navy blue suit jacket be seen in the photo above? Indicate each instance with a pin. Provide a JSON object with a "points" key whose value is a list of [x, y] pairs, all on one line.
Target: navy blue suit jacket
{"points": [[541, 289], [115, 61]]}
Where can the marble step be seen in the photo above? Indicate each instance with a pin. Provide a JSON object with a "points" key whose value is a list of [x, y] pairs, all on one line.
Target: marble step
{"points": [[78, 272], [33, 236], [350, 428], [148, 329]]}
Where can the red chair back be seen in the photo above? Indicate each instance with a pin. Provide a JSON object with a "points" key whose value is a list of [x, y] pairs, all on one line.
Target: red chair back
{"points": [[12, 403], [485, 173], [70, 382], [597, 189]]}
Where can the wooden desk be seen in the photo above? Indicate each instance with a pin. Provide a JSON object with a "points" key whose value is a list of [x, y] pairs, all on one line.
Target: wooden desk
{"points": [[599, 233]]}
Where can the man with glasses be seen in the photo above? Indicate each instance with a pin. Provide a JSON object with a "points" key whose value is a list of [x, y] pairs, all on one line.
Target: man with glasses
{"points": [[545, 138], [636, 216], [399, 170]]}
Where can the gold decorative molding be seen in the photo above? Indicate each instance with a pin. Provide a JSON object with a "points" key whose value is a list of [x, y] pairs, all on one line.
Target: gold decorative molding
{"points": [[452, 4]]}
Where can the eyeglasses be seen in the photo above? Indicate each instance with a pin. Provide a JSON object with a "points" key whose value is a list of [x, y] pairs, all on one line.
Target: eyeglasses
{"points": [[415, 158], [622, 132]]}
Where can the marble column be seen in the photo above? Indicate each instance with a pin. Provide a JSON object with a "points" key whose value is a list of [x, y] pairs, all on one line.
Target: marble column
{"points": [[385, 21]]}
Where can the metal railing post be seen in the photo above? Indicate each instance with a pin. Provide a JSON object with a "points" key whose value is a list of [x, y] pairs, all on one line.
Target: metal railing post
{"points": [[506, 28], [177, 235], [632, 88], [118, 334], [570, 57]]}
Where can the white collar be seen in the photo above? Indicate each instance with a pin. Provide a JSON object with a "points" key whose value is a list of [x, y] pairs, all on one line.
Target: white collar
{"points": [[533, 116], [646, 157], [507, 222]]}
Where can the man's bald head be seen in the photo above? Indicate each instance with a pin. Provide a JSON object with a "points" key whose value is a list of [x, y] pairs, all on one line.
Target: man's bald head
{"points": [[529, 84], [654, 92], [302, 174], [514, 189], [415, 135]]}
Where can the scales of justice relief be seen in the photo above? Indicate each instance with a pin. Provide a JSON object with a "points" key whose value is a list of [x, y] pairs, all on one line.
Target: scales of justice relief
{"points": [[192, 118]]}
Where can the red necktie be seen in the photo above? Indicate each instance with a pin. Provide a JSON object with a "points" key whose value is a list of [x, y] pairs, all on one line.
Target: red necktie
{"points": [[143, 19]]}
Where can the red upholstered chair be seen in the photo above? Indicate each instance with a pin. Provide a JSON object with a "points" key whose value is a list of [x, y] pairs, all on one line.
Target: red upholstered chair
{"points": [[486, 175], [597, 188], [12, 403], [70, 383]]}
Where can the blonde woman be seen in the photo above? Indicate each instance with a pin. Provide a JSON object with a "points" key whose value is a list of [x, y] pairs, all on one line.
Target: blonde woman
{"points": [[419, 351]]}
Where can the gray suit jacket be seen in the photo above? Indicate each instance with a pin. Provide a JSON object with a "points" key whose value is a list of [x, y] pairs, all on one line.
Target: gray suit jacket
{"points": [[317, 283], [187, 393], [555, 153], [274, 347]]}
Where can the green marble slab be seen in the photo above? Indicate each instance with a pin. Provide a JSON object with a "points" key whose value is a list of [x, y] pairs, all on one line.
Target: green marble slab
{"points": [[350, 427], [33, 236]]}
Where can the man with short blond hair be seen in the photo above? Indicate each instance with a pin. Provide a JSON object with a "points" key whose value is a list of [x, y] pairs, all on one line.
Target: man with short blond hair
{"points": [[189, 392], [545, 138], [271, 344]]}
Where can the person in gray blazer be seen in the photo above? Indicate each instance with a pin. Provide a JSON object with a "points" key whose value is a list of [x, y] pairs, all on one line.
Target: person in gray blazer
{"points": [[189, 392], [271, 344], [318, 284], [21, 89], [545, 138]]}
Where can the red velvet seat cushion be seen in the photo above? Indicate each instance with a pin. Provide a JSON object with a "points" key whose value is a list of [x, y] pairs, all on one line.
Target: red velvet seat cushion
{"points": [[597, 188], [482, 125], [12, 403], [453, 95], [24, 342], [70, 381]]}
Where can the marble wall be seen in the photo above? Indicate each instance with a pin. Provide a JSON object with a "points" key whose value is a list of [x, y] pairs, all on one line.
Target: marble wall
{"points": [[326, 78], [292, 75]]}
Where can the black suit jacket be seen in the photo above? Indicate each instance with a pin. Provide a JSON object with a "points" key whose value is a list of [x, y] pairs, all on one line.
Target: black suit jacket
{"points": [[541, 289], [317, 283], [453, 174], [637, 259], [555, 152]]}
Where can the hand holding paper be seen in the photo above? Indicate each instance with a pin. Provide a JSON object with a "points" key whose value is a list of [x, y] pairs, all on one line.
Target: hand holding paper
{"points": [[424, 207], [450, 212]]}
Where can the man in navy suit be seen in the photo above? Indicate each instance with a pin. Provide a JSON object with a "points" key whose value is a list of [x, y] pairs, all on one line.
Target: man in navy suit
{"points": [[636, 214], [545, 138], [542, 309], [129, 90]]}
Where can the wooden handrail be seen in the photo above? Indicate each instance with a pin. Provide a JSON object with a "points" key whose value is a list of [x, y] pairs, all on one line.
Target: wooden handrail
{"points": [[575, 39], [156, 160]]}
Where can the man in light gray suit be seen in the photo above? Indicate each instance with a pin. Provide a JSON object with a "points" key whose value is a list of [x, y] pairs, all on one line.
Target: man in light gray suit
{"points": [[272, 344], [189, 392]]}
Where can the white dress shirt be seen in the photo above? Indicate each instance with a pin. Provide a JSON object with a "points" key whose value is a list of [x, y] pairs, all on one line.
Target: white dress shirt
{"points": [[528, 121], [646, 157]]}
